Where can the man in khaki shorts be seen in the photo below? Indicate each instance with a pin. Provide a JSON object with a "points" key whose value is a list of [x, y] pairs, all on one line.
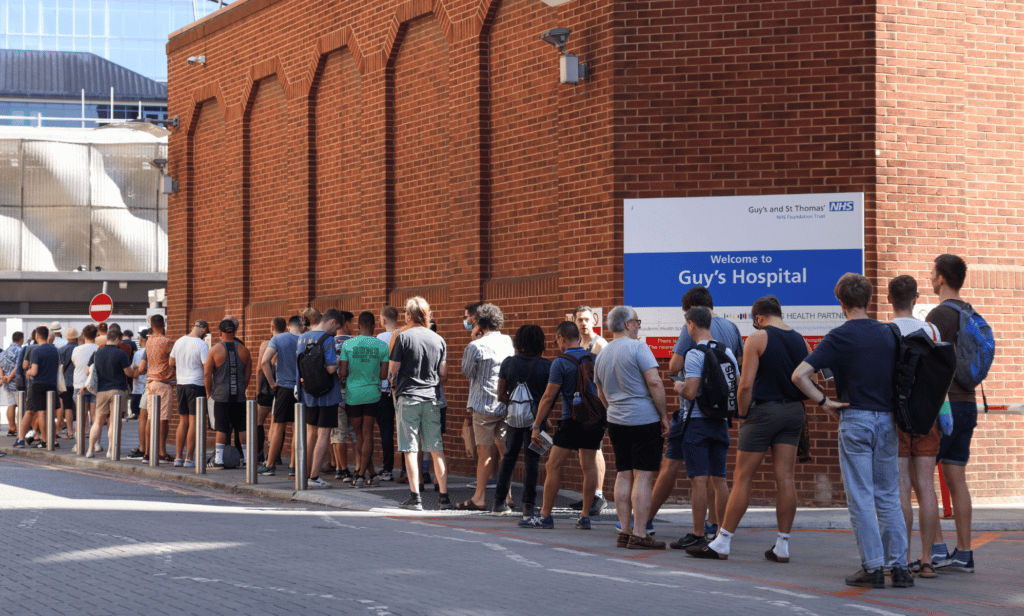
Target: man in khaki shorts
{"points": [[480, 363], [340, 438]]}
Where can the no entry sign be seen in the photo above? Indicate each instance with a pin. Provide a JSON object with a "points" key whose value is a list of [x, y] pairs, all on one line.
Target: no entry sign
{"points": [[101, 307]]}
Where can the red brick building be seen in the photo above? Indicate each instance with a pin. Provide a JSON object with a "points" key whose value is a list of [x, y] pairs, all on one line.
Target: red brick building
{"points": [[353, 154]]}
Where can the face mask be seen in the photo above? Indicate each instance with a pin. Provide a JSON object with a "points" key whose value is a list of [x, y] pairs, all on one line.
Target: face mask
{"points": [[466, 324]]}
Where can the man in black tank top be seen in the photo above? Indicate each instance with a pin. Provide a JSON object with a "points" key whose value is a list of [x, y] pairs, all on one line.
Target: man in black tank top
{"points": [[226, 373], [771, 410]]}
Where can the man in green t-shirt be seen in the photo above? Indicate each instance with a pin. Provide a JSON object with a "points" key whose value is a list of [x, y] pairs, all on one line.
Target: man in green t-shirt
{"points": [[363, 363]]}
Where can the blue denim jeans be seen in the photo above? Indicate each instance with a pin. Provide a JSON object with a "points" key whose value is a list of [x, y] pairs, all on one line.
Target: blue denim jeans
{"points": [[868, 449]]}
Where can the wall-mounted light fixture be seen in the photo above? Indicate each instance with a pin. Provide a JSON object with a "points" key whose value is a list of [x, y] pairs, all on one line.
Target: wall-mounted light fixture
{"points": [[570, 69], [167, 183]]}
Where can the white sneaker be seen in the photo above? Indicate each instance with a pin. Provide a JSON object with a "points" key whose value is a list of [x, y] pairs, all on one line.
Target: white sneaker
{"points": [[318, 484], [90, 455], [31, 434]]}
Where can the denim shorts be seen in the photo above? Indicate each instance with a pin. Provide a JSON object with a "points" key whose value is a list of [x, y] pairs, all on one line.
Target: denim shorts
{"points": [[705, 445]]}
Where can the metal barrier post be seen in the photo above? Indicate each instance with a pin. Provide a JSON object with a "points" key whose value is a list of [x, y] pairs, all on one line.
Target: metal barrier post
{"points": [[300, 447], [80, 432], [250, 442], [201, 435], [51, 401], [154, 430], [19, 413], [115, 429]]}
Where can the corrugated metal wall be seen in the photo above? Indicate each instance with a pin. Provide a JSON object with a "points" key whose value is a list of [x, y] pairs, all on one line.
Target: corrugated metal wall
{"points": [[63, 205]]}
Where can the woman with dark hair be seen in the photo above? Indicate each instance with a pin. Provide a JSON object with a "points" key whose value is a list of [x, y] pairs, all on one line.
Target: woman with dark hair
{"points": [[526, 366]]}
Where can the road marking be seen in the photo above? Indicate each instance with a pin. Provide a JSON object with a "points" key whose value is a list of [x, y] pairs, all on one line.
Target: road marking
{"points": [[980, 540], [574, 552], [786, 592], [136, 549], [612, 578], [633, 562], [703, 576], [874, 610]]}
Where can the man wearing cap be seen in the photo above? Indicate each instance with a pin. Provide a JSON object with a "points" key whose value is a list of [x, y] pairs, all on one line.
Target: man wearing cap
{"points": [[67, 399], [226, 373], [55, 336], [187, 358]]}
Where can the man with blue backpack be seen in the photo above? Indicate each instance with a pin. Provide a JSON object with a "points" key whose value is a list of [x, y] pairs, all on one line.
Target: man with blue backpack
{"points": [[957, 321]]}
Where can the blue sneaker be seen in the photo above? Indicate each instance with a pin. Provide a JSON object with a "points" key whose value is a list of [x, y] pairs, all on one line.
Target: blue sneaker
{"points": [[19, 444], [939, 556], [537, 521], [958, 561], [650, 526], [710, 530], [583, 523]]}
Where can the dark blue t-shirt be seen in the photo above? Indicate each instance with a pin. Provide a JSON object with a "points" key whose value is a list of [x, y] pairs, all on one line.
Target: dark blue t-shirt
{"points": [[46, 357], [110, 362], [563, 373], [860, 354]]}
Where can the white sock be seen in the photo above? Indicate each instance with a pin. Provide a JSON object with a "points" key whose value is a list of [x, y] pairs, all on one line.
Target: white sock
{"points": [[721, 542], [245, 458], [599, 493], [782, 545], [218, 458]]}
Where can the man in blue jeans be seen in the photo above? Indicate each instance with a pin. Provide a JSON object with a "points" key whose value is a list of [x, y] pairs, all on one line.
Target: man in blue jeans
{"points": [[947, 278], [860, 353]]}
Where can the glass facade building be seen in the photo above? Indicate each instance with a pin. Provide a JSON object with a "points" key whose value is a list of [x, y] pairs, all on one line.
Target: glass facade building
{"points": [[132, 33]]}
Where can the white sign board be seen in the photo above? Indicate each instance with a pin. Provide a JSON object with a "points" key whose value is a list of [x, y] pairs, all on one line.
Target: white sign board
{"points": [[794, 247]]}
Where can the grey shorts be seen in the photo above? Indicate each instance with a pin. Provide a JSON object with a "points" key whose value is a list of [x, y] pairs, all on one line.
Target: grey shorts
{"points": [[771, 423]]}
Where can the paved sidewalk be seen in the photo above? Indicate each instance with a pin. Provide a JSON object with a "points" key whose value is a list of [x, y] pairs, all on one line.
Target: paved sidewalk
{"points": [[384, 499]]}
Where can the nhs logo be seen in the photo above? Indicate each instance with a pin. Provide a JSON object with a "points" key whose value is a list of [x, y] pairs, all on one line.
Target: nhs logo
{"points": [[840, 206]]}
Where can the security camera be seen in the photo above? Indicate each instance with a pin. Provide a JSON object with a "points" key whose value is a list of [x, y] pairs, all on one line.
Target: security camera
{"points": [[193, 60], [556, 37]]}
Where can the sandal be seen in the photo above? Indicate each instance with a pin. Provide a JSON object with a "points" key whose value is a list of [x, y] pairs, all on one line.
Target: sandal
{"points": [[927, 571], [469, 505], [166, 458]]}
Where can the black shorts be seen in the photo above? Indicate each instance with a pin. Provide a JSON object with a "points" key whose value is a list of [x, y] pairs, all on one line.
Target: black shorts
{"points": [[37, 396], [322, 416], [357, 411], [228, 416], [263, 399], [284, 404], [571, 435], [67, 400], [187, 395], [637, 448]]}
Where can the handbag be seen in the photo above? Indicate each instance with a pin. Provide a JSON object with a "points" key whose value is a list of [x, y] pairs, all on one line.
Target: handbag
{"points": [[62, 387], [92, 385]]}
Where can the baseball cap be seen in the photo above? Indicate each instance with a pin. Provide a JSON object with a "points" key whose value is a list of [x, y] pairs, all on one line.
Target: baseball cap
{"points": [[202, 324], [227, 326]]}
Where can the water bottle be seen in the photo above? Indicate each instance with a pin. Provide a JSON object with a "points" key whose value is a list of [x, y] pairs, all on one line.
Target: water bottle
{"points": [[576, 400]]}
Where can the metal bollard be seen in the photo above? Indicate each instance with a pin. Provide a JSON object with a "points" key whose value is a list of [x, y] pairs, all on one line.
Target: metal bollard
{"points": [[80, 432], [20, 412], [51, 402], [300, 447], [250, 442], [154, 430], [115, 429], [200, 435]]}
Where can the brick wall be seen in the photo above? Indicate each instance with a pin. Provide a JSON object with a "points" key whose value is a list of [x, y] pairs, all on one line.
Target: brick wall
{"points": [[352, 154]]}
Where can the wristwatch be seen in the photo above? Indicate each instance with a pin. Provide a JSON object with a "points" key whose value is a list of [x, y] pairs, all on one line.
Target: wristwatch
{"points": [[824, 399]]}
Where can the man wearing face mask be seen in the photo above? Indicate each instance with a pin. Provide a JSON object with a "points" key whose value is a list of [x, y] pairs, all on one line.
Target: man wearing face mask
{"points": [[469, 319]]}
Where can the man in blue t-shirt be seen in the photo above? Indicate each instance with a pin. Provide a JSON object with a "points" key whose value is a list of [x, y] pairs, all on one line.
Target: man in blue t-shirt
{"points": [[282, 379], [570, 434], [45, 363], [860, 354], [725, 332], [111, 366]]}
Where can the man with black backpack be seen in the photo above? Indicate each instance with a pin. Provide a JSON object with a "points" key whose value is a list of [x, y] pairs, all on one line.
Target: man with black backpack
{"points": [[317, 363], [710, 376], [628, 383], [572, 433], [959, 323]]}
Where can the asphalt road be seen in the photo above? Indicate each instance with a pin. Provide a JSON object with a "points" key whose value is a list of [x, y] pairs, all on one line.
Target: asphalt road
{"points": [[84, 541]]}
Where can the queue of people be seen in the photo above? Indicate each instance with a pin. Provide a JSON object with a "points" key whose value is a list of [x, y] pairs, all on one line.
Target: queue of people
{"points": [[351, 380]]}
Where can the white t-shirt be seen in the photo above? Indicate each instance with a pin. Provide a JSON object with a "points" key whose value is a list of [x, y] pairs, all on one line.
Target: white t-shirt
{"points": [[189, 356], [140, 381], [385, 385], [909, 325], [80, 358]]}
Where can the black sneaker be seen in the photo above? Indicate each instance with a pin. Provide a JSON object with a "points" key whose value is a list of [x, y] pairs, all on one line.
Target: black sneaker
{"points": [[689, 541], [136, 454], [577, 506], [501, 508], [414, 503], [597, 506], [867, 579], [901, 578], [344, 475], [444, 503]]}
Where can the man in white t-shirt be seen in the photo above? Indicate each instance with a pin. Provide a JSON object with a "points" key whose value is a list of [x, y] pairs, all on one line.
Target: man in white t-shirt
{"points": [[80, 357], [917, 453], [187, 358]]}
